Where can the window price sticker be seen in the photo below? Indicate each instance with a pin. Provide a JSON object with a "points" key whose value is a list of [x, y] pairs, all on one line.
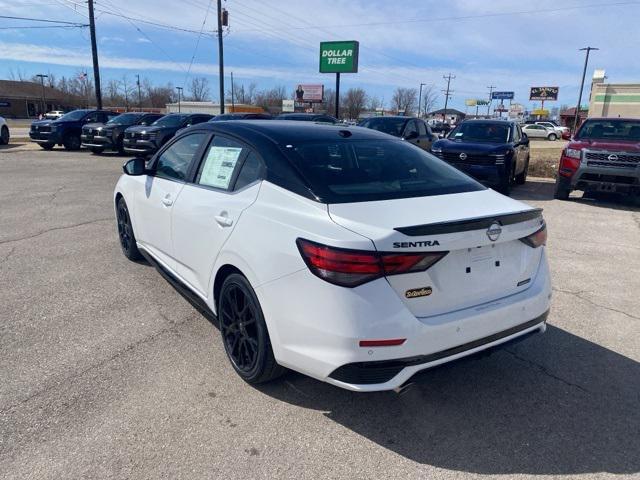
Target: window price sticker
{"points": [[219, 165]]}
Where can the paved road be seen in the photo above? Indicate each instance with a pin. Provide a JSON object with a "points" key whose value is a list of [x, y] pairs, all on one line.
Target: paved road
{"points": [[107, 372]]}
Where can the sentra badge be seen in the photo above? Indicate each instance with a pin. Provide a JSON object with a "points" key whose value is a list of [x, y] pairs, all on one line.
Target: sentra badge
{"points": [[418, 292]]}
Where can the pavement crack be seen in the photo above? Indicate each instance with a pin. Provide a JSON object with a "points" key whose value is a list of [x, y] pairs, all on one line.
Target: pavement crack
{"points": [[8, 255], [29, 237], [579, 295], [545, 371]]}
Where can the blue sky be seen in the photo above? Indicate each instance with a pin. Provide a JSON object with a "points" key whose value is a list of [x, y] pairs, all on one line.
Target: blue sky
{"points": [[512, 45]]}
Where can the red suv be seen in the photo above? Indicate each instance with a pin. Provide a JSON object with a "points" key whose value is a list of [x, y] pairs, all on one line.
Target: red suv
{"points": [[604, 155]]}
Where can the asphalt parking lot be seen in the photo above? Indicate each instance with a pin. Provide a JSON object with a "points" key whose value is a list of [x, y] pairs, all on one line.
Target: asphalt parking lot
{"points": [[107, 372]]}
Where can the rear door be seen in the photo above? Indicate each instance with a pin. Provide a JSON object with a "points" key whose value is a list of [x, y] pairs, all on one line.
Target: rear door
{"points": [[161, 190], [225, 184]]}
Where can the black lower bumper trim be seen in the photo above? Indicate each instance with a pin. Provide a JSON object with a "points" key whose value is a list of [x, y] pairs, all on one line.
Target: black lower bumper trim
{"points": [[368, 373]]}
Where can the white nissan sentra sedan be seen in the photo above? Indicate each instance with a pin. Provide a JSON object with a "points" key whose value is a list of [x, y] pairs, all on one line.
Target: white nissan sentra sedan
{"points": [[339, 252]]}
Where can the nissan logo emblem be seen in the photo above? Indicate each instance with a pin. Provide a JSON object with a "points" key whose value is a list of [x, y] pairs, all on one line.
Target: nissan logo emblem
{"points": [[463, 156], [494, 231], [612, 157]]}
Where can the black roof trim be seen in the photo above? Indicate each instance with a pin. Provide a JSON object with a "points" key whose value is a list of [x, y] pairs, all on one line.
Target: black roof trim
{"points": [[466, 225]]}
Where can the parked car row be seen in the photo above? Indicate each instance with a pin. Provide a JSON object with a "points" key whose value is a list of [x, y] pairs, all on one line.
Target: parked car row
{"points": [[136, 133]]}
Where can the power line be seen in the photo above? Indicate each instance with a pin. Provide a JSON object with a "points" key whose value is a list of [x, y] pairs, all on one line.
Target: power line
{"points": [[195, 51], [75, 24]]}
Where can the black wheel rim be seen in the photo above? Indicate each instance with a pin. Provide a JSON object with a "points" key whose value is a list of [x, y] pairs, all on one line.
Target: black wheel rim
{"points": [[239, 328], [124, 227]]}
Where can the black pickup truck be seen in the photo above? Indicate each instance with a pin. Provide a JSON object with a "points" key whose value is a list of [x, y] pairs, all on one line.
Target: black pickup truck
{"points": [[99, 137], [67, 129]]}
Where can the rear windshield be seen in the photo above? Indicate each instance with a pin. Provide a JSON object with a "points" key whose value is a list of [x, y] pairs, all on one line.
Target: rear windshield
{"points": [[74, 115], [610, 130], [392, 126], [369, 170], [170, 120], [481, 132]]}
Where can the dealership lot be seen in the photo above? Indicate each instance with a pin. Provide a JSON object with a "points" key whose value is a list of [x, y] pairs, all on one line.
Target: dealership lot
{"points": [[108, 372]]}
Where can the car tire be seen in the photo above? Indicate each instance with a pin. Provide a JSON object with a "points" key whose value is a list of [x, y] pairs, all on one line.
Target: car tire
{"points": [[244, 332], [71, 142], [120, 145], [521, 178], [562, 189], [4, 136], [47, 146], [125, 232], [97, 150], [552, 137]]}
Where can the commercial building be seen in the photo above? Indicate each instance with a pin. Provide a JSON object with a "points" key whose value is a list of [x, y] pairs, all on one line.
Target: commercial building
{"points": [[20, 99], [613, 99], [210, 108], [450, 115]]}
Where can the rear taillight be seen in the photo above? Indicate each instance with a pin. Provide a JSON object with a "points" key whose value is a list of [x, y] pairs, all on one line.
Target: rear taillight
{"points": [[536, 239], [569, 162], [350, 268]]}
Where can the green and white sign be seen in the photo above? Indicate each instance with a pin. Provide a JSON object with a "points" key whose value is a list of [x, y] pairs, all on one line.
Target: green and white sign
{"points": [[339, 57]]}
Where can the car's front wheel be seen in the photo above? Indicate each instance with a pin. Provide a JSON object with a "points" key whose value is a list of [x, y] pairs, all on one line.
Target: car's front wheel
{"points": [[71, 142], [125, 232], [97, 150], [562, 189], [4, 136], [47, 146], [521, 178], [552, 137], [244, 332]]}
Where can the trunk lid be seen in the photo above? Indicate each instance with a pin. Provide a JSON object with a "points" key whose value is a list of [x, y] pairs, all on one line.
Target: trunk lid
{"points": [[477, 269]]}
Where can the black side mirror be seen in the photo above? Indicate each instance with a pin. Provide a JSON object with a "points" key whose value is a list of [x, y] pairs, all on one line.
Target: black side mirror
{"points": [[135, 167], [411, 135], [525, 139]]}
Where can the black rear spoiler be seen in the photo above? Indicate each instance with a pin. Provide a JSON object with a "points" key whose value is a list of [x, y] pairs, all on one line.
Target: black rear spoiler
{"points": [[477, 223]]}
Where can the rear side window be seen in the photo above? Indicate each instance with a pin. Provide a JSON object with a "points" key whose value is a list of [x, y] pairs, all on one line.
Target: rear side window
{"points": [[422, 129], [250, 172], [369, 170], [174, 162]]}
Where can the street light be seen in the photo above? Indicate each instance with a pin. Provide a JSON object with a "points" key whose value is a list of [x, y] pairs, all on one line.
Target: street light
{"points": [[44, 100], [420, 99], [584, 72], [179, 97]]}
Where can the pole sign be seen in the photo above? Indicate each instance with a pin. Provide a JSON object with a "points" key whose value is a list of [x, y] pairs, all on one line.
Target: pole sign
{"points": [[471, 102], [502, 95], [309, 93], [544, 93], [481, 101], [339, 57]]}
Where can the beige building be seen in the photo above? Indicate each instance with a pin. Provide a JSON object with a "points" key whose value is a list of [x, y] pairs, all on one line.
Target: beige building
{"points": [[613, 99]]}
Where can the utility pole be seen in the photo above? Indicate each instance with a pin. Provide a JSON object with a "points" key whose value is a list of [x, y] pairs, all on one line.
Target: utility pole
{"points": [[420, 99], [584, 72], [94, 54], [221, 21], [447, 94], [44, 100], [139, 93], [490, 87], [179, 97], [338, 95]]}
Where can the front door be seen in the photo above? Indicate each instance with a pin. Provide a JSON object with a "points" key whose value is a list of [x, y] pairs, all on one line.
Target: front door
{"points": [[162, 189], [209, 209]]}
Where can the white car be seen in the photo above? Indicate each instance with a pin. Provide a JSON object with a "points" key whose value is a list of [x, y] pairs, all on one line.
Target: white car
{"points": [[54, 115], [534, 130], [4, 132], [342, 253], [552, 125]]}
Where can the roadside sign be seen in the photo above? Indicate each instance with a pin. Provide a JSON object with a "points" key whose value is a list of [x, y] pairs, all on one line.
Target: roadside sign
{"points": [[501, 108], [544, 93], [540, 111], [481, 102], [339, 57], [471, 102], [288, 106], [309, 93], [502, 95]]}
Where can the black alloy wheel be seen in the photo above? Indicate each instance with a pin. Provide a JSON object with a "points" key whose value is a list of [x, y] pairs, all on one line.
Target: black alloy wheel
{"points": [[125, 232], [72, 142], [4, 136], [244, 332]]}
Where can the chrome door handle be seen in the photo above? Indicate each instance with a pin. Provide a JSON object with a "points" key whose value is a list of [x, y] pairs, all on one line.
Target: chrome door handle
{"points": [[223, 220], [166, 201]]}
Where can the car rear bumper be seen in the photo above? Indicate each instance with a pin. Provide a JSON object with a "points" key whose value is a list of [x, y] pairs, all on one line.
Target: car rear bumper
{"points": [[316, 328]]}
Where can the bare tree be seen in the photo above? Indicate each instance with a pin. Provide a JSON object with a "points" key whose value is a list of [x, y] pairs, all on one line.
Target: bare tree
{"points": [[271, 99], [374, 103], [127, 88], [354, 102], [330, 101], [199, 89], [405, 100], [429, 99]]}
